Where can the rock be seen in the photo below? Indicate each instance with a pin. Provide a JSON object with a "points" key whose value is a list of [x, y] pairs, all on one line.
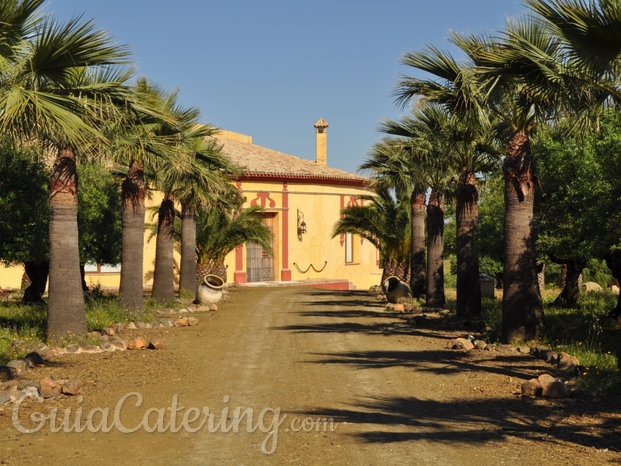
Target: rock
{"points": [[118, 327], [395, 307], [614, 289], [73, 349], [591, 286], [35, 358], [71, 387], [181, 322], [96, 333], [460, 344], [505, 348], [156, 345], [524, 349], [192, 321], [49, 388], [140, 325], [556, 389], [107, 347], [137, 344], [568, 365], [546, 378], [91, 349], [27, 392], [532, 387], [182, 311], [19, 365], [4, 398], [131, 326], [479, 344], [120, 344], [213, 307], [110, 331], [39, 346]]}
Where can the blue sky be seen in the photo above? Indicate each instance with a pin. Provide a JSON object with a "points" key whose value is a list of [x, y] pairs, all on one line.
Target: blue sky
{"points": [[272, 68]]}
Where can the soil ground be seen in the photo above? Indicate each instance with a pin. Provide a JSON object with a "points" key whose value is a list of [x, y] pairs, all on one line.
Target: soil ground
{"points": [[275, 365]]}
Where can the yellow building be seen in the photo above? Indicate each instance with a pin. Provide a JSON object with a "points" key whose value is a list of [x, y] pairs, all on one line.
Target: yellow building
{"points": [[301, 200]]}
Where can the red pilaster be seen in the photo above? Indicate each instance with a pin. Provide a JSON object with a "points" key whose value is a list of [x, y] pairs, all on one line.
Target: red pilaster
{"points": [[240, 274], [285, 273]]}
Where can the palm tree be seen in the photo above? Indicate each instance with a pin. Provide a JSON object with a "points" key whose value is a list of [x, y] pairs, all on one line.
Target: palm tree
{"points": [[55, 78], [465, 137], [206, 186], [395, 167], [526, 83], [383, 220], [137, 140], [223, 227], [198, 180], [424, 134]]}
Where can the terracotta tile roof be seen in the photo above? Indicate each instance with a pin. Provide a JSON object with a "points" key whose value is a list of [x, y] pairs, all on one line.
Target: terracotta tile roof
{"points": [[263, 162]]}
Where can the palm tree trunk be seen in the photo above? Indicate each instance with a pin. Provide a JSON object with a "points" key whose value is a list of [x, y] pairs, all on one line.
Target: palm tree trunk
{"points": [[164, 273], [187, 279], [468, 280], [522, 309], [435, 251], [133, 191], [37, 273], [569, 294], [417, 267], [66, 311]]}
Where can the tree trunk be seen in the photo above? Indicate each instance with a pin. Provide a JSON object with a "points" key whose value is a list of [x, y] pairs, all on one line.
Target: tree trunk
{"points": [[164, 273], [569, 295], [187, 274], [394, 269], [563, 277], [435, 251], [131, 289], [66, 311], [613, 261], [417, 262], [522, 309], [37, 274], [468, 279]]}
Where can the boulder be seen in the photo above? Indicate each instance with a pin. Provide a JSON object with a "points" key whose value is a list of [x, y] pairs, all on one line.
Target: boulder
{"points": [[181, 322], [35, 359], [546, 378], [460, 344], [192, 321], [19, 365], [137, 344], [568, 365], [49, 388], [531, 388], [556, 389], [156, 345], [591, 286], [71, 387]]}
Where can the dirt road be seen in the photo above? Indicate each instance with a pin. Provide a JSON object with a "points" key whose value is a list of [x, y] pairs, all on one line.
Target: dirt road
{"points": [[304, 376]]}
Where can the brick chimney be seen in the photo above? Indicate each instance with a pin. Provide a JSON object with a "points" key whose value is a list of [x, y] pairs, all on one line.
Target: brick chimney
{"points": [[321, 138]]}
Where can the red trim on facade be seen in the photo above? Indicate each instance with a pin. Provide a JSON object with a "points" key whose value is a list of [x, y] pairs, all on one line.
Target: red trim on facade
{"points": [[342, 236], [285, 273], [240, 274]]}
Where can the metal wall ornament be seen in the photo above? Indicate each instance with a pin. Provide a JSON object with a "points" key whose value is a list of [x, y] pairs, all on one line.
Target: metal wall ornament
{"points": [[301, 224]]}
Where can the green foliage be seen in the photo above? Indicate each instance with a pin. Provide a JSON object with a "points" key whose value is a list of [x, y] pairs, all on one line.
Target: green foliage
{"points": [[99, 214], [24, 203], [384, 221], [219, 231], [490, 228]]}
